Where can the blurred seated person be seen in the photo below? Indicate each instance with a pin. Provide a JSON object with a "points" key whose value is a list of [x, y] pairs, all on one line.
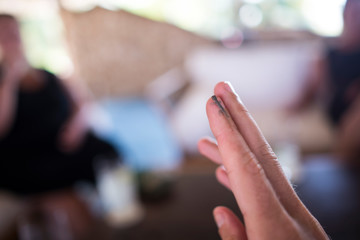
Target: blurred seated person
{"points": [[45, 144], [336, 75]]}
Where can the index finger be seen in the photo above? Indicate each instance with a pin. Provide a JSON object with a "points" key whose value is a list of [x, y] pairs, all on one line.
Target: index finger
{"points": [[253, 192], [258, 145]]}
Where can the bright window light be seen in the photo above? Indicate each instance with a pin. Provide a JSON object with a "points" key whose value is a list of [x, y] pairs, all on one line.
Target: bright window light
{"points": [[323, 16], [250, 15]]}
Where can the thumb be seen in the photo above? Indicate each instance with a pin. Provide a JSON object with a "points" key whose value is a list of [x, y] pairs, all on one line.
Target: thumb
{"points": [[229, 225]]}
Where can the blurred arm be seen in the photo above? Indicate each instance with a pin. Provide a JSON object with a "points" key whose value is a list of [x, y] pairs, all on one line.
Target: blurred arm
{"points": [[75, 128], [8, 101], [76, 99], [348, 142]]}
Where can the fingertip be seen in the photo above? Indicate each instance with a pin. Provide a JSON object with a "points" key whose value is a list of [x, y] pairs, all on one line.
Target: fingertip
{"points": [[215, 106], [209, 102], [219, 87], [206, 140], [202, 143], [214, 100], [222, 177], [225, 90], [219, 210], [219, 217], [229, 225], [222, 87], [208, 106], [221, 171]]}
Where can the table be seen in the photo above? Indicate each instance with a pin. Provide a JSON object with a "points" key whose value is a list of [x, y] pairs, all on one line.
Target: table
{"points": [[185, 214]]}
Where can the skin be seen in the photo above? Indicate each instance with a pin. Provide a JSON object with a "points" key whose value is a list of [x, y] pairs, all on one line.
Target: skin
{"points": [[350, 37], [19, 75], [15, 67], [270, 207], [348, 138], [73, 132]]}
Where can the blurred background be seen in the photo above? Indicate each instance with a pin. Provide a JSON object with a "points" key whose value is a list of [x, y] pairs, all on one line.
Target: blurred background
{"points": [[147, 68]]}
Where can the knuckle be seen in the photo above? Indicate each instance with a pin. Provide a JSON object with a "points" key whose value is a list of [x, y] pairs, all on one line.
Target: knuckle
{"points": [[251, 164], [265, 151], [224, 134], [247, 156]]}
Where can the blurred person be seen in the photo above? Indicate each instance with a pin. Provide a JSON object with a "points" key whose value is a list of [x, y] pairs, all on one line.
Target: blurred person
{"points": [[271, 209], [45, 144], [336, 76]]}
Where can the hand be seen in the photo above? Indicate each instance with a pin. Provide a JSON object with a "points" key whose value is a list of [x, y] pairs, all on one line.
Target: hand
{"points": [[15, 67], [270, 207]]}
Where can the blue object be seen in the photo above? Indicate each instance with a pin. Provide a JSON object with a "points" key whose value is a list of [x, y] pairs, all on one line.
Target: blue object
{"points": [[141, 133]]}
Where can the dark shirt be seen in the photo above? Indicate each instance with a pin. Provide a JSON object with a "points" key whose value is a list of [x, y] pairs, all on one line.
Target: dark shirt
{"points": [[39, 116], [30, 161], [344, 69]]}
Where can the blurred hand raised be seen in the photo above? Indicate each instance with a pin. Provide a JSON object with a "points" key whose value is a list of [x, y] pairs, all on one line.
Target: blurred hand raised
{"points": [[270, 207], [15, 66]]}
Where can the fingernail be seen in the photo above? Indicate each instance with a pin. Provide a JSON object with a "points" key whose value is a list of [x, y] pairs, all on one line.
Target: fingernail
{"points": [[223, 168], [219, 219], [229, 87]]}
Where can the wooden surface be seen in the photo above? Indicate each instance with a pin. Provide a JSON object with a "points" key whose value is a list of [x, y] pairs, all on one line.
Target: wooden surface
{"points": [[185, 214], [329, 190]]}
